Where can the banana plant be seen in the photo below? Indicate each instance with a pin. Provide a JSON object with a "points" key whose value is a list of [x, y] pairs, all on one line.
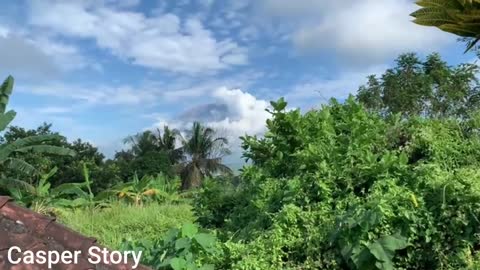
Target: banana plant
{"points": [[136, 191], [81, 192], [10, 152], [167, 189], [42, 197]]}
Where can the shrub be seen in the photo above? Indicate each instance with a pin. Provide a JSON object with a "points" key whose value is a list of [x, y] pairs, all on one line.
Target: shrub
{"points": [[179, 249], [344, 188]]}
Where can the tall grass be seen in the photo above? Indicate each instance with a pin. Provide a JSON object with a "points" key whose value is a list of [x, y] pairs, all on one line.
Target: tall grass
{"points": [[122, 221]]}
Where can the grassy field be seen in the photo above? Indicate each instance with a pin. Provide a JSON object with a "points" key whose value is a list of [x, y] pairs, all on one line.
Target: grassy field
{"points": [[121, 221]]}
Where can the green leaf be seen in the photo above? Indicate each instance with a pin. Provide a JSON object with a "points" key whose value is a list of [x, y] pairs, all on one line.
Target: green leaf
{"points": [[171, 235], [6, 119], [384, 250], [182, 243], [189, 230], [361, 257], [47, 149], [206, 241], [440, 3], [280, 105], [7, 149], [207, 267], [20, 165], [393, 242], [70, 188], [178, 264], [5, 91]]}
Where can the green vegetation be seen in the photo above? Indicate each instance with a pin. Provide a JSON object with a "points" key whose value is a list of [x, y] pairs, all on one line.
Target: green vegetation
{"points": [[204, 156], [387, 179], [344, 188], [459, 17], [120, 221], [180, 249], [428, 88]]}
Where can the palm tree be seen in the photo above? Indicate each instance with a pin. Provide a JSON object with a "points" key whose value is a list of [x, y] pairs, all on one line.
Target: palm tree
{"points": [[459, 17], [10, 153], [204, 153], [142, 143], [168, 143], [149, 141]]}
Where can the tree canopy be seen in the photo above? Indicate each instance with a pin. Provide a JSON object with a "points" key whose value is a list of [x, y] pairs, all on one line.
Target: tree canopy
{"points": [[429, 88]]}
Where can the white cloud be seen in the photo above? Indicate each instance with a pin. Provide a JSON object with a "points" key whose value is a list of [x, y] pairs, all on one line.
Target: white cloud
{"points": [[181, 91], [54, 110], [189, 90], [237, 113], [21, 58], [65, 56], [31, 54], [314, 92], [365, 32], [232, 113], [246, 113], [93, 95], [162, 42]]}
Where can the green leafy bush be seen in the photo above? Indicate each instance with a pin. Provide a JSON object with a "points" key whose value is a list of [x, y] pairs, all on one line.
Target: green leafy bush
{"points": [[180, 249], [344, 188], [215, 201]]}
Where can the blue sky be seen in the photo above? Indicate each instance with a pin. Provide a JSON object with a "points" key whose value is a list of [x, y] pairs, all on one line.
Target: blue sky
{"points": [[104, 69]]}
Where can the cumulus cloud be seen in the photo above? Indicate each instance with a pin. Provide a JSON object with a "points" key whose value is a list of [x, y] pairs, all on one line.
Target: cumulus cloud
{"points": [[30, 55], [365, 32], [20, 57], [232, 111], [163, 41]]}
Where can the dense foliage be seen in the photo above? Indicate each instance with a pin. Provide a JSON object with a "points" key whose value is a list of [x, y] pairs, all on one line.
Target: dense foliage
{"points": [[185, 248], [389, 179], [428, 88], [69, 168], [345, 188]]}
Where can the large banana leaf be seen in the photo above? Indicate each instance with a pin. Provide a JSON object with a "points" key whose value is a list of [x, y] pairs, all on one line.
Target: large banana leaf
{"points": [[5, 92], [19, 165], [34, 144], [12, 183], [6, 119], [47, 149], [70, 189]]}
